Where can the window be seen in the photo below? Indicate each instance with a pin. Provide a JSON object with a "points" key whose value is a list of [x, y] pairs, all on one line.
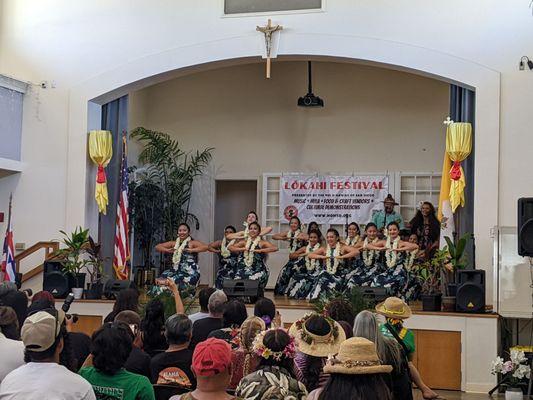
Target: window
{"points": [[416, 188], [258, 6], [11, 96]]}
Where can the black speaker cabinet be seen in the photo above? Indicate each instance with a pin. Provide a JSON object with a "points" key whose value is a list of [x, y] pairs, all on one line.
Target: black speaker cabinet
{"points": [[242, 288], [54, 280], [525, 226], [470, 291], [113, 286]]}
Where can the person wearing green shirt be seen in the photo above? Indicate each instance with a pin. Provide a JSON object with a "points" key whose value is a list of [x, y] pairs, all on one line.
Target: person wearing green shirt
{"points": [[111, 346], [395, 311], [387, 215]]}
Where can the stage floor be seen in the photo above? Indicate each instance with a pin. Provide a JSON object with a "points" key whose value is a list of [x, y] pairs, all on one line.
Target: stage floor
{"points": [[417, 395]]}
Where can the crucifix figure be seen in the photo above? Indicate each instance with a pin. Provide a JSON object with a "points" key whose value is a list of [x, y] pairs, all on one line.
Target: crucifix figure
{"points": [[268, 30]]}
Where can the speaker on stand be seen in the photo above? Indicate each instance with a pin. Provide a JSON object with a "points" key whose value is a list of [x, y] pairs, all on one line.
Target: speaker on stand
{"points": [[470, 291], [114, 286], [54, 280], [525, 226], [243, 289]]}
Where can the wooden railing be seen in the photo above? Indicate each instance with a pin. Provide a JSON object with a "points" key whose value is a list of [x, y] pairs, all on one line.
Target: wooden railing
{"points": [[49, 249]]}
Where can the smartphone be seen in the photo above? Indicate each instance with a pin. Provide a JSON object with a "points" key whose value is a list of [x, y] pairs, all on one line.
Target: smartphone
{"points": [[161, 281]]}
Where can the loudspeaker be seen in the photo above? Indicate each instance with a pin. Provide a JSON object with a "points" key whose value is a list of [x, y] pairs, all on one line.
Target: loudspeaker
{"points": [[54, 280], [242, 288], [113, 286], [470, 291], [373, 295], [525, 226]]}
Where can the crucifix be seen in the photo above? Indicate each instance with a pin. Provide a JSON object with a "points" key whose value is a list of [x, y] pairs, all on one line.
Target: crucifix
{"points": [[268, 30]]}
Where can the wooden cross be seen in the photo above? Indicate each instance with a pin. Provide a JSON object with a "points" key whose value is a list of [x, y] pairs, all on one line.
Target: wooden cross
{"points": [[268, 30]]}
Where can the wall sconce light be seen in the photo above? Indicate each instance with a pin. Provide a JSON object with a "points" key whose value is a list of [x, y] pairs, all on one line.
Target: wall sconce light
{"points": [[527, 61]]}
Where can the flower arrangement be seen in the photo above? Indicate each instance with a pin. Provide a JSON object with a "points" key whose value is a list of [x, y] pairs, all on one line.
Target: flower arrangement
{"points": [[262, 351], [516, 368], [308, 337]]}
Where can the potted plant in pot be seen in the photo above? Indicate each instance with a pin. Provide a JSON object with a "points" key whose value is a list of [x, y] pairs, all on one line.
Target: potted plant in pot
{"points": [[73, 260], [431, 274], [95, 270], [456, 261], [513, 371]]}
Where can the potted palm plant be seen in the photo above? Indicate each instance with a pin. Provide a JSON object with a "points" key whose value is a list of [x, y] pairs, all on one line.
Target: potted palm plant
{"points": [[95, 270], [431, 274], [456, 261], [72, 258]]}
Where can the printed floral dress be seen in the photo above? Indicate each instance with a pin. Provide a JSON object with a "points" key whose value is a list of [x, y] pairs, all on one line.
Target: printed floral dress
{"points": [[271, 382], [368, 265], [328, 281], [292, 267], [304, 281], [227, 264], [394, 278], [186, 273], [258, 271]]}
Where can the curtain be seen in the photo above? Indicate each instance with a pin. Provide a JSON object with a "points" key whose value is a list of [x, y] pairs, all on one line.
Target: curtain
{"points": [[462, 109], [114, 119]]}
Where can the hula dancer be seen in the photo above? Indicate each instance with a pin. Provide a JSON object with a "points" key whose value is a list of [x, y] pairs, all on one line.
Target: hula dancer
{"points": [[184, 250], [303, 281], [395, 277], [332, 275], [252, 254], [227, 261], [293, 236], [369, 264], [251, 217]]}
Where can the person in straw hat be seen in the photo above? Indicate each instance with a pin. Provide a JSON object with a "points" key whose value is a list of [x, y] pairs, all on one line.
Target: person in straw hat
{"points": [[317, 337], [356, 373], [395, 311], [384, 217]]}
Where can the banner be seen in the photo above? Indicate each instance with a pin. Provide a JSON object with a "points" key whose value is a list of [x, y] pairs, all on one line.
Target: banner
{"points": [[332, 199]]}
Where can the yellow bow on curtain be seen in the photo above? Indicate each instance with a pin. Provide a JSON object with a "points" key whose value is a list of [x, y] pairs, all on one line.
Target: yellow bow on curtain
{"points": [[101, 151], [458, 147]]}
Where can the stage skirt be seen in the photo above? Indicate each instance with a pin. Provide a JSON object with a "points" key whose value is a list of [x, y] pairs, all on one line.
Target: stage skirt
{"points": [[227, 268], [303, 282], [186, 274], [326, 282], [362, 274], [258, 271]]}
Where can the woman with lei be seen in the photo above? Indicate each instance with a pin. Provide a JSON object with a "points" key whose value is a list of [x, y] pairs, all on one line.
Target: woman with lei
{"points": [[426, 226], [332, 276], [251, 217], [294, 264], [369, 263], [252, 254], [227, 261], [303, 281], [184, 250], [396, 251]]}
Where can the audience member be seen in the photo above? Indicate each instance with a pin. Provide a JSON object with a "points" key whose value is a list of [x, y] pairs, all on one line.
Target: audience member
{"points": [[366, 326], [211, 363], [18, 301], [44, 295], [244, 360], [274, 377], [111, 346], [138, 361], [203, 299], [153, 328], [127, 299], [317, 337], [266, 310], [340, 310], [234, 315], [355, 373], [11, 348], [173, 366], [203, 327], [42, 335], [395, 311]]}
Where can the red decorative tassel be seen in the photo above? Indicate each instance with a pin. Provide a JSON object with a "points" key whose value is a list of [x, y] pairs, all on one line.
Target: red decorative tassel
{"points": [[100, 175], [455, 172]]}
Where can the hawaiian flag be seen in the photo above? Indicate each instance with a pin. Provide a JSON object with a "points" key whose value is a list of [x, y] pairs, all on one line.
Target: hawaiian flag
{"points": [[8, 253], [121, 259]]}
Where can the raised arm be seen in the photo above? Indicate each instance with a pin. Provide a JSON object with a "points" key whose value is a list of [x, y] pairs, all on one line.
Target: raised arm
{"points": [[280, 236], [195, 246], [180, 309], [297, 254], [167, 247], [266, 247], [236, 235], [377, 246], [265, 231], [349, 252], [320, 254], [214, 247], [237, 247], [407, 246]]}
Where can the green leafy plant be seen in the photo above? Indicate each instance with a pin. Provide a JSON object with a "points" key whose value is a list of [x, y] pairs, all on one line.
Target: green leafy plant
{"points": [[95, 262], [72, 256], [161, 198], [355, 297], [169, 305], [432, 273], [457, 251]]}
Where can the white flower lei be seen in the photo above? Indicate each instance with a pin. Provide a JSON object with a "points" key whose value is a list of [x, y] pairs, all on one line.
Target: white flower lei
{"points": [[368, 255], [224, 252], [353, 241], [391, 257], [293, 237], [246, 230], [336, 252], [411, 259], [248, 254], [178, 249], [310, 263]]}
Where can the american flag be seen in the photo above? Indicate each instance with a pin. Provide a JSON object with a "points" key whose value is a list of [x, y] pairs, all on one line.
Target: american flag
{"points": [[121, 259], [8, 253]]}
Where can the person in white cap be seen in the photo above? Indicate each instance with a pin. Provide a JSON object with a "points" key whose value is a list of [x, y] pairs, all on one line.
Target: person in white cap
{"points": [[42, 378]]}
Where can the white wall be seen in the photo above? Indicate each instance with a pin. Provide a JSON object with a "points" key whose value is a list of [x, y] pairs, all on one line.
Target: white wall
{"points": [[89, 48]]}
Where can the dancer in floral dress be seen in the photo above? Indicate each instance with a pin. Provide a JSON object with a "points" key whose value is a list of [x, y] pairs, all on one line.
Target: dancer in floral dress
{"points": [[251, 217], [294, 265], [369, 263], [227, 261]]}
